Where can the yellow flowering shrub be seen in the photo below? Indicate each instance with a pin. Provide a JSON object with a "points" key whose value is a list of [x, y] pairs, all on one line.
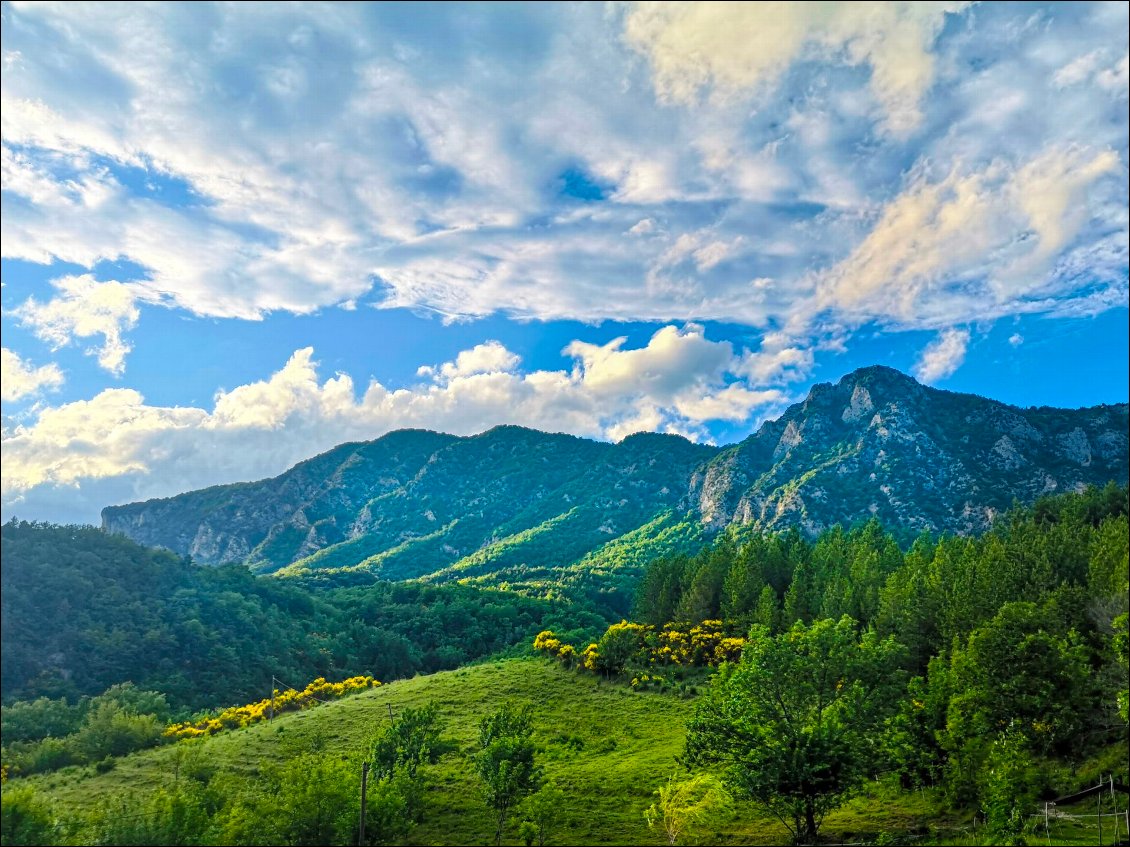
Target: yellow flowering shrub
{"points": [[283, 701]]}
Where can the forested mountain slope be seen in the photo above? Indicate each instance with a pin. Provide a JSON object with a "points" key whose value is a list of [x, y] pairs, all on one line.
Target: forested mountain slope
{"points": [[513, 502]]}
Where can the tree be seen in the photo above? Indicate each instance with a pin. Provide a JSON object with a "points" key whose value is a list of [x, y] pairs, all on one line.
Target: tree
{"points": [[1018, 668], [26, 818], [316, 801], [410, 741], [542, 812], [1120, 641], [505, 761], [619, 644], [797, 723], [686, 804]]}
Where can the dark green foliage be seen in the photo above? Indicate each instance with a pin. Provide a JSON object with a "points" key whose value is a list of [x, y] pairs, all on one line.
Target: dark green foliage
{"points": [[83, 610]]}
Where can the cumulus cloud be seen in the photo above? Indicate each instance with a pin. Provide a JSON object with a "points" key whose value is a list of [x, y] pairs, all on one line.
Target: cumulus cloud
{"points": [[942, 356], [20, 379], [482, 358], [85, 308], [125, 448], [737, 46]]}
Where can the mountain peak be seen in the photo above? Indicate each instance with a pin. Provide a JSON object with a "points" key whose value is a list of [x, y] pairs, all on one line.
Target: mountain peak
{"points": [[880, 372]]}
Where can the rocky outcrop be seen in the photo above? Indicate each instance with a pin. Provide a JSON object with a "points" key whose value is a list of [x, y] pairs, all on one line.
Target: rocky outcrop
{"points": [[879, 443]]}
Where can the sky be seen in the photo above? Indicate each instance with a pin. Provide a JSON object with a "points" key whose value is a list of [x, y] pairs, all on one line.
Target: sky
{"points": [[236, 235]]}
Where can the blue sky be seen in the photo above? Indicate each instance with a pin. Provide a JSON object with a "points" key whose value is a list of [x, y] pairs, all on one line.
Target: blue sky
{"points": [[236, 235]]}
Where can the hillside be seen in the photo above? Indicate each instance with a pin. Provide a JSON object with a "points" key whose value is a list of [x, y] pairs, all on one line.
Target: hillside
{"points": [[607, 747], [517, 505], [412, 503], [83, 610]]}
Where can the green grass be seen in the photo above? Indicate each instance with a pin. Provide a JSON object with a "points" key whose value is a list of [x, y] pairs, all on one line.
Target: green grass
{"points": [[628, 744]]}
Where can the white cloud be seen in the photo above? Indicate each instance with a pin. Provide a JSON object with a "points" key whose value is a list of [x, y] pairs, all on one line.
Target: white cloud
{"points": [[1116, 79], [806, 168], [85, 308], [673, 361], [735, 47], [1078, 69], [20, 379], [779, 360], [482, 358], [678, 380], [979, 244], [1090, 68], [1016, 339], [942, 356]]}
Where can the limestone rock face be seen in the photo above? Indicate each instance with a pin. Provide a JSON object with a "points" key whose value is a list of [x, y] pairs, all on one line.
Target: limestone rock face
{"points": [[879, 443]]}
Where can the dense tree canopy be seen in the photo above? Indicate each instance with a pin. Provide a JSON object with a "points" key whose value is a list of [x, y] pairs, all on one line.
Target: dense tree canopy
{"points": [[796, 723]]}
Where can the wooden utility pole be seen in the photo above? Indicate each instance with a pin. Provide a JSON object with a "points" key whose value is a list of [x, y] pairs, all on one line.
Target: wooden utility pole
{"points": [[1099, 797], [271, 713], [364, 786]]}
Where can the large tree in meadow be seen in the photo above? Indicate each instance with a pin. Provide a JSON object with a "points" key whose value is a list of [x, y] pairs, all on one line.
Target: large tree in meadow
{"points": [[797, 723]]}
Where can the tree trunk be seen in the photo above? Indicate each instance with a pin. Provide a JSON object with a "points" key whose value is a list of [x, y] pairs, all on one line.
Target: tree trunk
{"points": [[501, 824], [809, 822]]}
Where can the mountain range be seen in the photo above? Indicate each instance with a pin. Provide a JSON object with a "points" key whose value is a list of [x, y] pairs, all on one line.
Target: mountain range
{"points": [[513, 501]]}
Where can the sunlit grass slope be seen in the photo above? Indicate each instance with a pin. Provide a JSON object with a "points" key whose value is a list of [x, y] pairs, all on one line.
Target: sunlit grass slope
{"points": [[607, 747]]}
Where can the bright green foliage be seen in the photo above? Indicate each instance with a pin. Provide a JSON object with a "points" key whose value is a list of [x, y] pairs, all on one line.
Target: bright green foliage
{"points": [[314, 801], [121, 720], [1017, 670], [26, 818], [411, 740], [1120, 641], [797, 723], [542, 813], [913, 736], [506, 761], [619, 644], [1010, 785], [176, 816], [110, 730], [394, 805], [766, 613], [688, 804]]}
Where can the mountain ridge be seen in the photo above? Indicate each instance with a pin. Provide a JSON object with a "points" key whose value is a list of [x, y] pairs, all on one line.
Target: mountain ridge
{"points": [[415, 502]]}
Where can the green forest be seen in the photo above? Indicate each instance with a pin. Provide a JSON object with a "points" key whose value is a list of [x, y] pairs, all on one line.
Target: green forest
{"points": [[856, 686]]}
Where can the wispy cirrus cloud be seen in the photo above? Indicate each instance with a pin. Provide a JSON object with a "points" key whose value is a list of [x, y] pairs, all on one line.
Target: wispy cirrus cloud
{"points": [[943, 356]]}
